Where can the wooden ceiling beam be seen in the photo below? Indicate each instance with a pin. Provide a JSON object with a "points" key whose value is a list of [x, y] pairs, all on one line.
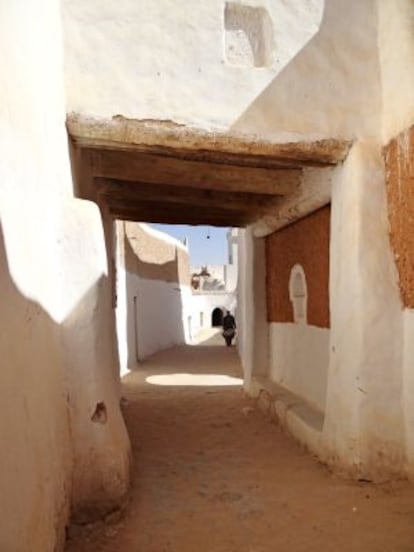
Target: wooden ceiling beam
{"points": [[148, 212], [314, 193], [159, 193], [169, 138], [155, 169]]}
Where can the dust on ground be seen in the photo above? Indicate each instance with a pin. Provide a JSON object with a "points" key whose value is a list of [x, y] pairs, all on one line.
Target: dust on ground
{"points": [[211, 474]]}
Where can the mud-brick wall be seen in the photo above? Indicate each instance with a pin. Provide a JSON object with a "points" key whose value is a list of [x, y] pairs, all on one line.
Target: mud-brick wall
{"points": [[399, 161], [305, 242]]}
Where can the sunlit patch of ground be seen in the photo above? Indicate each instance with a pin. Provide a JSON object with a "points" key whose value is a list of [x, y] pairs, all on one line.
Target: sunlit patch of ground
{"points": [[212, 380], [209, 336]]}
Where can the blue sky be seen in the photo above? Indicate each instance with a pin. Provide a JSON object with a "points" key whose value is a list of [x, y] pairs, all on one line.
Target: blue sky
{"points": [[202, 250]]}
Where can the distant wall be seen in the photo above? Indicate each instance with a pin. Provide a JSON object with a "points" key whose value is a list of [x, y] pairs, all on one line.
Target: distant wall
{"points": [[153, 283], [200, 307]]}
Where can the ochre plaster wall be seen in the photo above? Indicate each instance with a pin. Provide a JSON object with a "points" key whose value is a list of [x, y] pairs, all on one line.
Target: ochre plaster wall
{"points": [[154, 258], [399, 161], [305, 242]]}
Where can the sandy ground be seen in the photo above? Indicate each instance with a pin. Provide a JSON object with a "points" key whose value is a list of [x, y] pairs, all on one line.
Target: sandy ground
{"points": [[211, 474]]}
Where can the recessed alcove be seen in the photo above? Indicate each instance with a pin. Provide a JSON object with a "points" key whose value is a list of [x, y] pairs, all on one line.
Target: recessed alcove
{"points": [[248, 35]]}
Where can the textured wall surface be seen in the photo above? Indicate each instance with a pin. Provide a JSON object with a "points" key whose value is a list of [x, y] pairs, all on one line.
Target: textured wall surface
{"points": [[56, 344], [172, 53], [153, 286], [399, 160], [156, 256], [305, 242]]}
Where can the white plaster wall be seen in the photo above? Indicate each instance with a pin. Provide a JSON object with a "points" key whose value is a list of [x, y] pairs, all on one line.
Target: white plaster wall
{"points": [[100, 477], [125, 336], [396, 45], [408, 388], [159, 319], [253, 344], [320, 95], [36, 456], [42, 231], [299, 360], [245, 303], [230, 276], [332, 86], [363, 423], [151, 314], [171, 52]]}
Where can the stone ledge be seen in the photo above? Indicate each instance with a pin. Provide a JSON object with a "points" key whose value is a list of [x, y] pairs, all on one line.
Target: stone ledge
{"points": [[292, 413]]}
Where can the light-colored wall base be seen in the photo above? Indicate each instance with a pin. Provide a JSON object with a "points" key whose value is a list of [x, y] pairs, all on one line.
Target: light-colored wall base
{"points": [[299, 360]]}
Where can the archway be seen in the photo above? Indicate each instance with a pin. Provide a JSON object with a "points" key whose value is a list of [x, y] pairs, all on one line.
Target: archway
{"points": [[217, 317]]}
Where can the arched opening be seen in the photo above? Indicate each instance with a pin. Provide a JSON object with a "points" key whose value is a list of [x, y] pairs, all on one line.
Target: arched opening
{"points": [[216, 317], [298, 294]]}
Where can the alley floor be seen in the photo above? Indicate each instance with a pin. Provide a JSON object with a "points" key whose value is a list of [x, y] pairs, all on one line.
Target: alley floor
{"points": [[211, 474]]}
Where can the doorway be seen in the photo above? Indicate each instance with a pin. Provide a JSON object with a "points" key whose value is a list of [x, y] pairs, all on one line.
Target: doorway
{"points": [[217, 317]]}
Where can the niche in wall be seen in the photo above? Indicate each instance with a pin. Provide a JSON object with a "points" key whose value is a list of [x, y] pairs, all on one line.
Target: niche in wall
{"points": [[298, 294], [248, 36]]}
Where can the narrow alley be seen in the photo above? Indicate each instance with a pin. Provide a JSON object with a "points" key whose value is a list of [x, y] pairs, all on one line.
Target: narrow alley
{"points": [[210, 474]]}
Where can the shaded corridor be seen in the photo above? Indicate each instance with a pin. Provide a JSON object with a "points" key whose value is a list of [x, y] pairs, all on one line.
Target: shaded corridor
{"points": [[211, 474]]}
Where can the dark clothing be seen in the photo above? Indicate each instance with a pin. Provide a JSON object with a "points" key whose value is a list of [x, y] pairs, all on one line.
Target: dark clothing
{"points": [[229, 322]]}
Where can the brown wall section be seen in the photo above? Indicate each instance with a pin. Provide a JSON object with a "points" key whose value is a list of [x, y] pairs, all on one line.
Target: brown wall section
{"points": [[152, 258], [399, 162], [305, 242]]}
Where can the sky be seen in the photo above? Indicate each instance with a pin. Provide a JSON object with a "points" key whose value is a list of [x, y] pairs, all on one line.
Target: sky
{"points": [[203, 250]]}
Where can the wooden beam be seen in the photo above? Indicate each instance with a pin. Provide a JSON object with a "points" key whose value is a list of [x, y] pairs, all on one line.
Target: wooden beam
{"points": [[315, 192], [134, 166], [169, 138], [149, 212], [260, 204]]}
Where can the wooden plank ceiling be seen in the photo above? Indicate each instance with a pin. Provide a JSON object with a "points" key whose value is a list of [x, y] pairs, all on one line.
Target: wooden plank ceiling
{"points": [[187, 181]]}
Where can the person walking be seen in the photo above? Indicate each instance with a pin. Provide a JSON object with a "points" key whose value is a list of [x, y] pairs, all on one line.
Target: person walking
{"points": [[229, 328]]}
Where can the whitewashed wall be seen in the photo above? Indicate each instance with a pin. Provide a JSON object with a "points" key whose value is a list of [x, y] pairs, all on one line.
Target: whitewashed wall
{"points": [[396, 45], [364, 423], [151, 312], [396, 51], [367, 417], [172, 52], [351, 80], [53, 271], [253, 331], [157, 318], [299, 360], [319, 94]]}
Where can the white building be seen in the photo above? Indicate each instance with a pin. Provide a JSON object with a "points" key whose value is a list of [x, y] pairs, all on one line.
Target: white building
{"points": [[214, 289], [204, 103]]}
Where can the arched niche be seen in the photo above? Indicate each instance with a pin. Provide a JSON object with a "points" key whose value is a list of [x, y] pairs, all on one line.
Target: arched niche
{"points": [[298, 294]]}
